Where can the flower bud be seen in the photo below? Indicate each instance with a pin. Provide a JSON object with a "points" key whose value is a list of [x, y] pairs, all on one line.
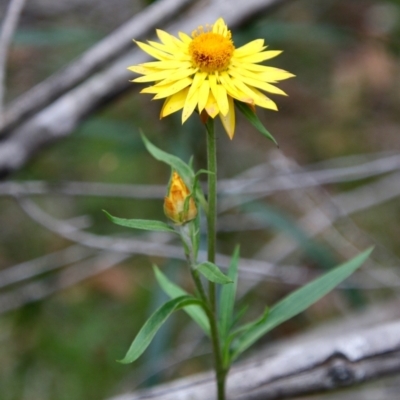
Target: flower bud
{"points": [[174, 202]]}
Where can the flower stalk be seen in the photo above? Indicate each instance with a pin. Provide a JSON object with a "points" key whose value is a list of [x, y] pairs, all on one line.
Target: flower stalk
{"points": [[211, 248]]}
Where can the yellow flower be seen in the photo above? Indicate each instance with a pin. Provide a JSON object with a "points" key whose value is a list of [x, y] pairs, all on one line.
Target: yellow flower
{"points": [[174, 203], [207, 72]]}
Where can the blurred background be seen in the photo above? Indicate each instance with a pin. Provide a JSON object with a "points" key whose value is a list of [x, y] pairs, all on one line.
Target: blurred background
{"points": [[68, 310]]}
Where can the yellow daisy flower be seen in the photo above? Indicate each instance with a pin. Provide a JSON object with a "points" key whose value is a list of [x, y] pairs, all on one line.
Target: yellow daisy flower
{"points": [[207, 72]]}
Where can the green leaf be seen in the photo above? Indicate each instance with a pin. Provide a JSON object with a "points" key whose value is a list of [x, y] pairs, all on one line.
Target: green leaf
{"points": [[298, 301], [251, 116], [145, 224], [174, 291], [250, 325], [185, 172], [228, 293], [203, 171], [154, 323], [213, 273]]}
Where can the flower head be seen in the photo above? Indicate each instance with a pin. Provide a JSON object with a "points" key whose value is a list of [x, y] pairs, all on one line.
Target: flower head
{"points": [[178, 206], [206, 71]]}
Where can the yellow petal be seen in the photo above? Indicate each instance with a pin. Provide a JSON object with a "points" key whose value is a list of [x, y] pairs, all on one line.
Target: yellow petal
{"points": [[204, 91], [262, 100], [142, 69], [261, 72], [185, 38], [162, 47], [174, 103], [256, 83], [275, 74], [177, 75], [250, 48], [220, 27], [211, 106], [244, 88], [172, 64], [173, 88], [169, 40], [198, 79], [222, 100], [157, 76], [212, 79], [232, 90], [171, 51], [228, 121], [151, 89], [160, 55], [190, 105], [259, 57]]}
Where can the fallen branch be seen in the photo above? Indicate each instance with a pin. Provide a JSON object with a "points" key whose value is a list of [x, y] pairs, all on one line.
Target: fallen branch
{"points": [[260, 184], [325, 364], [8, 27], [108, 49]]}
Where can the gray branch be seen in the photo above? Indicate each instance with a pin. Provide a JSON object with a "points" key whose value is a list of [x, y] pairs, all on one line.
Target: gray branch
{"points": [[70, 276], [9, 25], [312, 366], [111, 47], [259, 184]]}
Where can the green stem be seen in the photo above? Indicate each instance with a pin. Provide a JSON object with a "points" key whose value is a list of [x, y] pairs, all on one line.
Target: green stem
{"points": [[199, 285], [211, 242], [212, 189]]}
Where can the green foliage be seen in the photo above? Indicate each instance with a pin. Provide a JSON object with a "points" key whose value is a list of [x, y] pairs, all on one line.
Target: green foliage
{"points": [[251, 116], [227, 298], [174, 162], [174, 291], [184, 170], [40, 355], [213, 273], [297, 302], [154, 323], [144, 224]]}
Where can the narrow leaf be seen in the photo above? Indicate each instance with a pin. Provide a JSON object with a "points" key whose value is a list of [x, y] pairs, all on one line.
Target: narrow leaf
{"points": [[251, 116], [298, 301], [228, 294], [153, 324], [174, 291], [145, 224], [174, 162], [251, 325], [213, 273], [203, 171]]}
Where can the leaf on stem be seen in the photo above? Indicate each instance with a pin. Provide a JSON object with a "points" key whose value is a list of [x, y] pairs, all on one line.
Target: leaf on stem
{"points": [[144, 224], [228, 293], [174, 291], [213, 273], [297, 302], [154, 323], [174, 162], [251, 116]]}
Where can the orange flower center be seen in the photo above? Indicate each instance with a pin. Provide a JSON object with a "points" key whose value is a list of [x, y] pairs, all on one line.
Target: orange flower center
{"points": [[211, 51]]}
